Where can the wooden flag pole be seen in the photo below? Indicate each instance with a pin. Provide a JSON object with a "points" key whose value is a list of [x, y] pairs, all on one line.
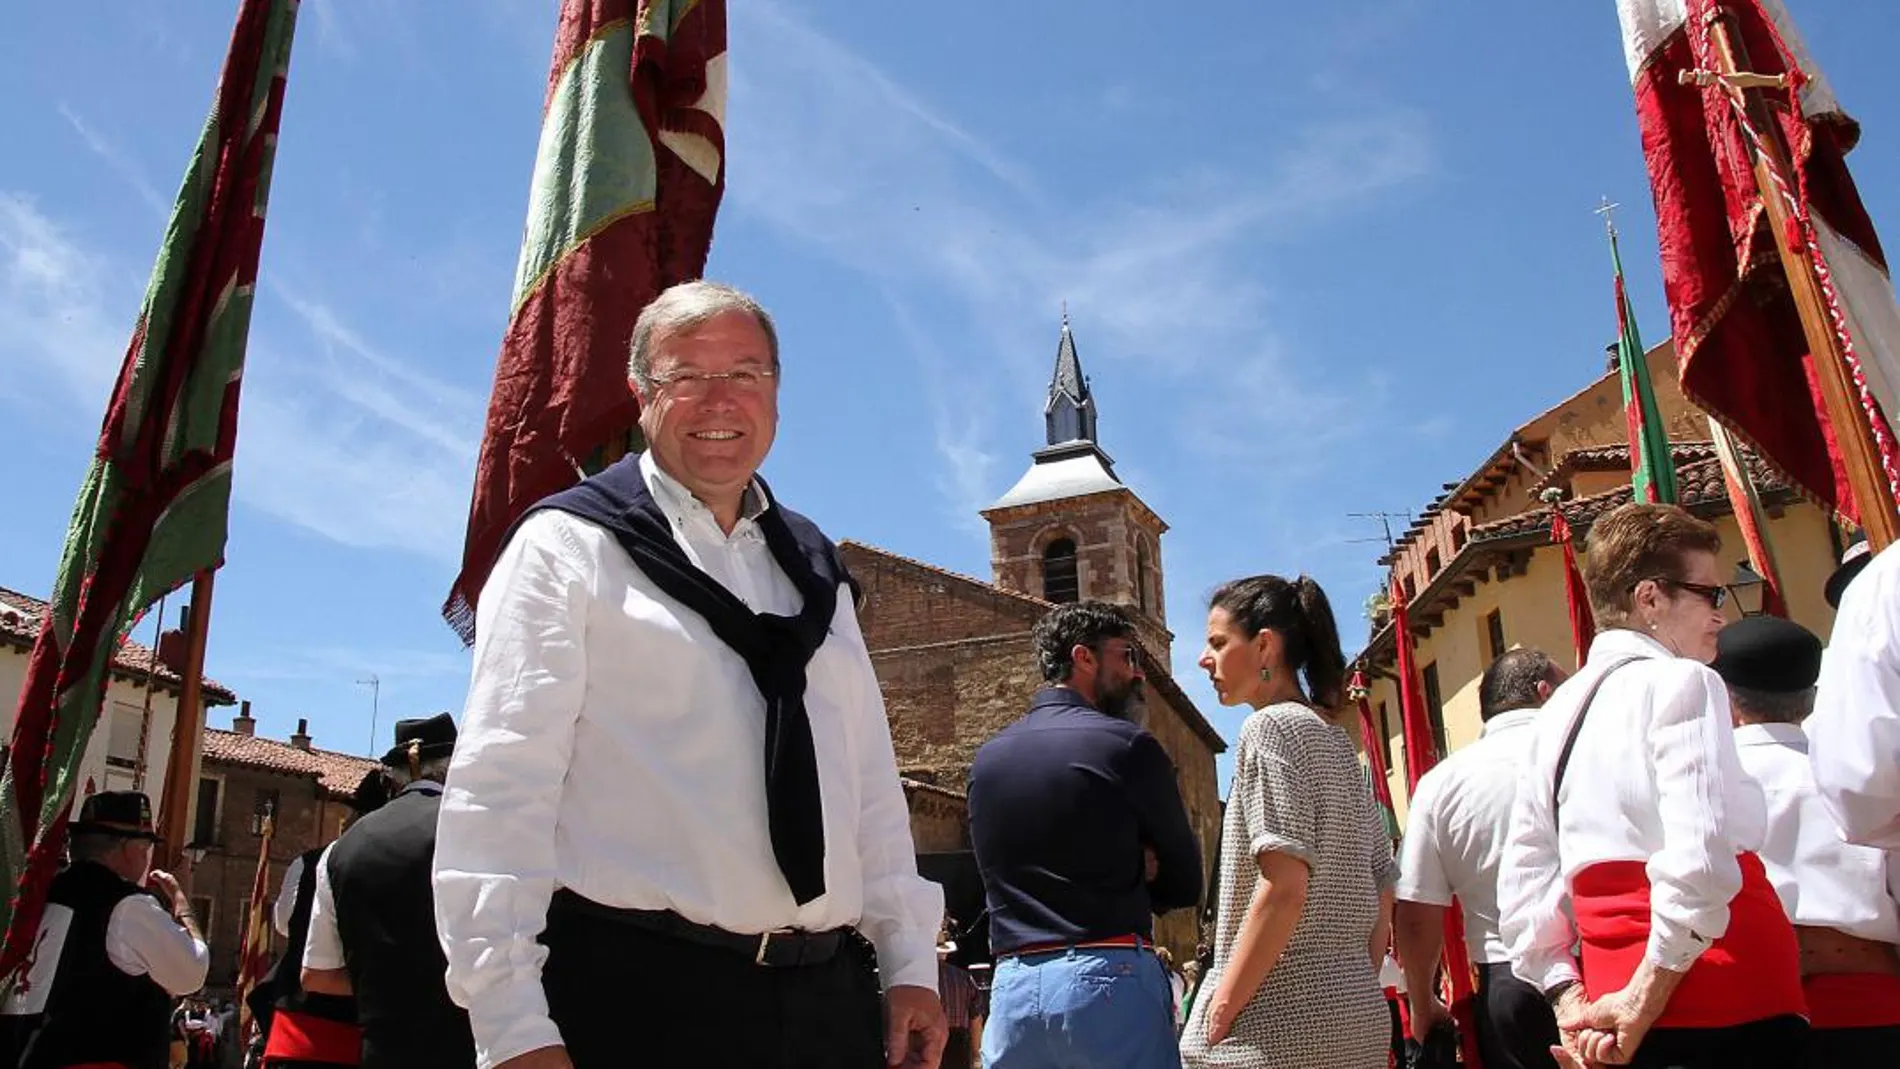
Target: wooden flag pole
{"points": [[1860, 456], [174, 817]]}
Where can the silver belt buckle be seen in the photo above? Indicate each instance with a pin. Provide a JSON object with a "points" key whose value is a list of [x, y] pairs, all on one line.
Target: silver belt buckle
{"points": [[765, 940]]}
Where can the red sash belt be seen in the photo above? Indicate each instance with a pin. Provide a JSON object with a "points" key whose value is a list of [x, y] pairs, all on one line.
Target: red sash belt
{"points": [[1852, 1000], [308, 1038], [1752, 973]]}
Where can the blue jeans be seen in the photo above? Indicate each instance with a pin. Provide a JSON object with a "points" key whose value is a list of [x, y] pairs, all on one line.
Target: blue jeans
{"points": [[1106, 1008]]}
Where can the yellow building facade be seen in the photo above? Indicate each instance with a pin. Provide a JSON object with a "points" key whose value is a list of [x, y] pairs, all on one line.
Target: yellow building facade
{"points": [[1481, 574]]}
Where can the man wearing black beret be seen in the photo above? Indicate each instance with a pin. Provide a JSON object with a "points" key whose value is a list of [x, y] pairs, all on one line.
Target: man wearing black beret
{"points": [[1838, 895]]}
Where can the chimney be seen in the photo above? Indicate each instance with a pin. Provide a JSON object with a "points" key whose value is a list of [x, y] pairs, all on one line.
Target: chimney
{"points": [[244, 723], [301, 740]]}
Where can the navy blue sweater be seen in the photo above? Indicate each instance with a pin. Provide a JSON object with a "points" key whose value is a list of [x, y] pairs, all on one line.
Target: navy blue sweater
{"points": [[1061, 804]]}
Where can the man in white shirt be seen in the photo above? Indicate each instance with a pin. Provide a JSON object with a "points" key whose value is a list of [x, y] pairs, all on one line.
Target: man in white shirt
{"points": [[1454, 838], [618, 871], [116, 947], [1854, 734], [1840, 896]]}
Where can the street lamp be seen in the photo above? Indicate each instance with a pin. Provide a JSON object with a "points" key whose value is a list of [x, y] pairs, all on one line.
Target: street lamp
{"points": [[1748, 589]]}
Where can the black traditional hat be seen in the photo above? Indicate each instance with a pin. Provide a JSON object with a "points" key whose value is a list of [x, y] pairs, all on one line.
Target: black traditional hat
{"points": [[127, 814], [422, 740], [1857, 556], [1768, 654]]}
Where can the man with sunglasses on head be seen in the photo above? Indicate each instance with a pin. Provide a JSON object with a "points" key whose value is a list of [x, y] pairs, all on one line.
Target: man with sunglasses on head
{"points": [[673, 831], [1081, 838]]}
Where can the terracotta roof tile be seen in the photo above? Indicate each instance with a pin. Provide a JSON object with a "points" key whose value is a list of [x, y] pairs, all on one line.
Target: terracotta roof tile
{"points": [[20, 617], [337, 773], [1699, 483]]}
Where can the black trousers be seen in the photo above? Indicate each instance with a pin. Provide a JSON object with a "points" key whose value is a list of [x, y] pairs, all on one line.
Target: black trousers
{"points": [[1851, 1048], [1516, 1027], [622, 996], [1776, 1043]]}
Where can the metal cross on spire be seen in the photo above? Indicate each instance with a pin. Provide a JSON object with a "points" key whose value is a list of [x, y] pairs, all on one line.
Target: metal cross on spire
{"points": [[1608, 211]]}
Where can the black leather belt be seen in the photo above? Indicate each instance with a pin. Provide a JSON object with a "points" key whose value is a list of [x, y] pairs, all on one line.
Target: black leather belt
{"points": [[784, 948]]}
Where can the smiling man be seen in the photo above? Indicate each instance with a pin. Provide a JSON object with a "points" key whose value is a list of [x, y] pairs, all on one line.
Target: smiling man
{"points": [[673, 831]]}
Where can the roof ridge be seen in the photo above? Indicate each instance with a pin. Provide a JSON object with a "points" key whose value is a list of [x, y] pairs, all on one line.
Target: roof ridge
{"points": [[947, 573]]}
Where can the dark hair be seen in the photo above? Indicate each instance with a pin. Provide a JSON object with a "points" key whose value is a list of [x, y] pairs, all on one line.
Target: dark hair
{"points": [[1299, 613], [1511, 681], [1771, 707], [1079, 623], [1635, 542]]}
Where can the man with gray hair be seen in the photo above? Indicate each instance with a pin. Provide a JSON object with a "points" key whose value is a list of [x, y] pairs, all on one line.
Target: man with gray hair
{"points": [[1841, 897], [1454, 843], [674, 831]]}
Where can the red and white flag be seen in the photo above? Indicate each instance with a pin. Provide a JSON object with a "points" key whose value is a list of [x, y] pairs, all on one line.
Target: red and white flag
{"points": [[1743, 355]]}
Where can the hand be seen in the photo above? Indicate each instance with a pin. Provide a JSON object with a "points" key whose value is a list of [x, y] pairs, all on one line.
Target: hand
{"points": [[1612, 1028], [167, 885], [1427, 1014], [545, 1058], [1571, 1008], [917, 1031], [1221, 1016], [1150, 865]]}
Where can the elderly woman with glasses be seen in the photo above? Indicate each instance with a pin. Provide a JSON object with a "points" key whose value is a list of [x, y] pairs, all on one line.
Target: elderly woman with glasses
{"points": [[1635, 829]]}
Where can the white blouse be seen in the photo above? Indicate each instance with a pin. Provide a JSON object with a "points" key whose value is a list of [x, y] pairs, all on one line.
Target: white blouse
{"points": [[1822, 881], [1855, 730], [1654, 777]]}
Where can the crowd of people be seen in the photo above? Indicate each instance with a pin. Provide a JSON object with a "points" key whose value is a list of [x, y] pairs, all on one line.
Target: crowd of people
{"points": [[670, 828]]}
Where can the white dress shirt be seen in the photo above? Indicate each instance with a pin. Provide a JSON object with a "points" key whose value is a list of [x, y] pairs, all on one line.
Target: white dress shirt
{"points": [[1654, 778], [142, 939], [1854, 733], [1455, 828], [286, 904], [1822, 881], [322, 945], [613, 745]]}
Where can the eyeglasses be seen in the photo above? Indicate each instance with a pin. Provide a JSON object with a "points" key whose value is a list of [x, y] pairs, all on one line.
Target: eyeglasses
{"points": [[1129, 653], [692, 384], [1716, 596]]}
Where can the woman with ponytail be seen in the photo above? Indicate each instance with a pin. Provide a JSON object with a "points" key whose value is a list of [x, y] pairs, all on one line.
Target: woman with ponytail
{"points": [[1306, 870]]}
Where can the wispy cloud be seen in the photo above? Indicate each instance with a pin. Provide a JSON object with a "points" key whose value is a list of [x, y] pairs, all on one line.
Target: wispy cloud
{"points": [[63, 327], [834, 151], [122, 165], [336, 436], [331, 663]]}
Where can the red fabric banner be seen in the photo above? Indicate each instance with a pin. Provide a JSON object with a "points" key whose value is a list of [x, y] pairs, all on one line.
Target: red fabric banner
{"points": [[1421, 753], [622, 207], [1583, 625], [1739, 342]]}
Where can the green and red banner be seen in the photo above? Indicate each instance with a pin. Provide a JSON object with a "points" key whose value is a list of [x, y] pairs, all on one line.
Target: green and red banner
{"points": [[1652, 468], [627, 181], [153, 510]]}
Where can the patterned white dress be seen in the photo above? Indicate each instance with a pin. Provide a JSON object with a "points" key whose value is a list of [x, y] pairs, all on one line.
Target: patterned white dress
{"points": [[1298, 790]]}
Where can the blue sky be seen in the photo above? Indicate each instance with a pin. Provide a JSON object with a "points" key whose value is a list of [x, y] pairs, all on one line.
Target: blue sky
{"points": [[1319, 258]]}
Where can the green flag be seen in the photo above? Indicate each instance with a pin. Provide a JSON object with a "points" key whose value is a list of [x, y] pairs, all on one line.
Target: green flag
{"points": [[1652, 468]]}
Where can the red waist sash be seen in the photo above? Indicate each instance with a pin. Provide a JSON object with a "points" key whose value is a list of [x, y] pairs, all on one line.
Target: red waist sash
{"points": [[306, 1037], [1751, 973], [1852, 1000]]}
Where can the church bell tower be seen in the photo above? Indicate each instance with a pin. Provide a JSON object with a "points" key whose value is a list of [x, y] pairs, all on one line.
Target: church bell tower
{"points": [[1069, 529]]}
